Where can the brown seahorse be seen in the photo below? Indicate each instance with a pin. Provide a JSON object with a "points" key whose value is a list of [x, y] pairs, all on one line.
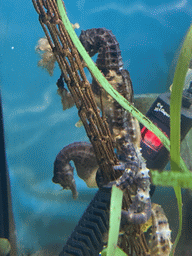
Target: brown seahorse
{"points": [[83, 156], [109, 62]]}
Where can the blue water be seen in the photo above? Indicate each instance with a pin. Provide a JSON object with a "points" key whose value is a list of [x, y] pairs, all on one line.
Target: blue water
{"points": [[150, 34]]}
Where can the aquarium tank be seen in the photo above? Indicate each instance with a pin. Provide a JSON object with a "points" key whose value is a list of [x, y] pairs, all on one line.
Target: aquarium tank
{"points": [[36, 128]]}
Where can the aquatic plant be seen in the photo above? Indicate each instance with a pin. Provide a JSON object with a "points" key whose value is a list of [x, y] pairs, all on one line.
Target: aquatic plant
{"points": [[48, 58], [173, 178]]}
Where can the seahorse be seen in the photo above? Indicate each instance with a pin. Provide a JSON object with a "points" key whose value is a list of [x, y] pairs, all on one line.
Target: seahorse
{"points": [[160, 243], [83, 156], [109, 62]]}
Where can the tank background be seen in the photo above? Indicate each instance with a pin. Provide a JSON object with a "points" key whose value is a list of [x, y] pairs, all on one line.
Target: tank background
{"points": [[150, 34]]}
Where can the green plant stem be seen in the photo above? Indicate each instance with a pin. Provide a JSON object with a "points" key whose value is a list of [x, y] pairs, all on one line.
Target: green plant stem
{"points": [[172, 179], [177, 190], [176, 96], [115, 217], [118, 252], [175, 119]]}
